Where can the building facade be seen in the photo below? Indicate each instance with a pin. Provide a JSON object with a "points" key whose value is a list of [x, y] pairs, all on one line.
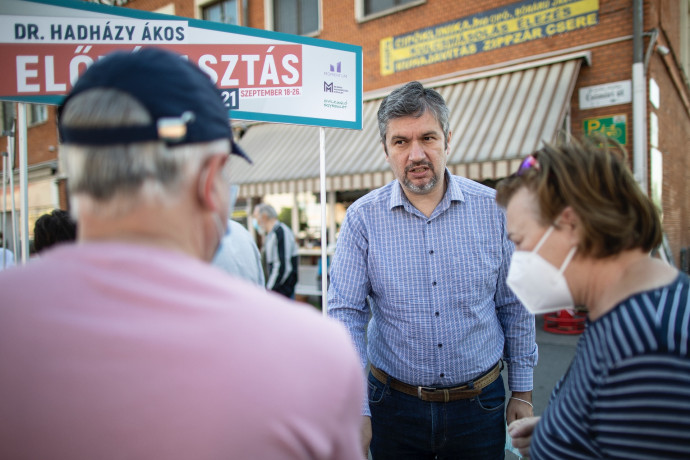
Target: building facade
{"points": [[514, 73]]}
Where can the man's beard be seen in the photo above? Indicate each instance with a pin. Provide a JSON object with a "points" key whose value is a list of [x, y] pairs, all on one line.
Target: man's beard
{"points": [[426, 188]]}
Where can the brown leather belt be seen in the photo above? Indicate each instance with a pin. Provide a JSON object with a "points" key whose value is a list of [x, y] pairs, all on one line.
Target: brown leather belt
{"points": [[467, 391]]}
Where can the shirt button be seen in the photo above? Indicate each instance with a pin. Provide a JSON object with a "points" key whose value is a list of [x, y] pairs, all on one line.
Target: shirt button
{"points": [[440, 345], [428, 221], [431, 251], [437, 313], [442, 375], [433, 283]]}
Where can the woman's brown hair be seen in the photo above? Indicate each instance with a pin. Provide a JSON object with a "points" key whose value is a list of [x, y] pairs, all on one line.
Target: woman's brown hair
{"points": [[595, 181]]}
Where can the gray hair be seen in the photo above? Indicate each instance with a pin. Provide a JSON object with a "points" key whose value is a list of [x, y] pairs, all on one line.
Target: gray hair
{"points": [[125, 174], [412, 100], [266, 210]]}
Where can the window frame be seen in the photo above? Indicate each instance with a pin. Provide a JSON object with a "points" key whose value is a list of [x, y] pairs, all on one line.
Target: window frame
{"points": [[36, 114], [4, 130], [201, 5], [269, 18], [360, 16], [684, 26]]}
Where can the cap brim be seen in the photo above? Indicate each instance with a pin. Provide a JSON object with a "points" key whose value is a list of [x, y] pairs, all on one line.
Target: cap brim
{"points": [[237, 150]]}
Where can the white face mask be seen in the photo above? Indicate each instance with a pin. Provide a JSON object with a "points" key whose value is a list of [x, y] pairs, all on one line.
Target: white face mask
{"points": [[540, 286], [259, 229]]}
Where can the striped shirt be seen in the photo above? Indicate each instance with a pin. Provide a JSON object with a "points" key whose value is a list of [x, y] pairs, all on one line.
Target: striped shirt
{"points": [[627, 392], [281, 259], [442, 312]]}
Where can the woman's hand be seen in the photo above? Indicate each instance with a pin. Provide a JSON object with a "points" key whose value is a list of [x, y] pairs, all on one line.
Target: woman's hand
{"points": [[521, 431]]}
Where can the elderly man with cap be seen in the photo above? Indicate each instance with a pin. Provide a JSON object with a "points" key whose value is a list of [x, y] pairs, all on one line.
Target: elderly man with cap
{"points": [[129, 344]]}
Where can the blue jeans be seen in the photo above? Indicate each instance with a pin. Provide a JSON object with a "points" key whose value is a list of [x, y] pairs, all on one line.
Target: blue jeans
{"points": [[405, 427]]}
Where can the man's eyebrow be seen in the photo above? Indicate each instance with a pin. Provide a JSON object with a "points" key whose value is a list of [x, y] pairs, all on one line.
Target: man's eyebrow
{"points": [[425, 134]]}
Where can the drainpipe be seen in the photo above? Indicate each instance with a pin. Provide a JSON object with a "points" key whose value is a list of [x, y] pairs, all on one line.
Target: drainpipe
{"points": [[639, 99]]}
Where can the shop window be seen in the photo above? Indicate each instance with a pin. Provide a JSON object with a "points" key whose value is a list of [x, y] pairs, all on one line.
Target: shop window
{"points": [[298, 17], [224, 11], [6, 116], [36, 113], [370, 9]]}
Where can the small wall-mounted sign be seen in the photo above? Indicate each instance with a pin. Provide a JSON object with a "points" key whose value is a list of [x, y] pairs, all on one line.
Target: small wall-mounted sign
{"points": [[619, 92], [613, 126]]}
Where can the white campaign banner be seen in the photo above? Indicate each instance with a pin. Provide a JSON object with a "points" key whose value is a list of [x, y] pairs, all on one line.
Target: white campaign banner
{"points": [[265, 76]]}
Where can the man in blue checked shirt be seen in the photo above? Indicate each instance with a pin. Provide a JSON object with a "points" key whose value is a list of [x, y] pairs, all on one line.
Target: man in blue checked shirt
{"points": [[427, 255]]}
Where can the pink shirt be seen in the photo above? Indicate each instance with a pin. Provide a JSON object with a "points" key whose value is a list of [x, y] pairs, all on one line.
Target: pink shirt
{"points": [[114, 350]]}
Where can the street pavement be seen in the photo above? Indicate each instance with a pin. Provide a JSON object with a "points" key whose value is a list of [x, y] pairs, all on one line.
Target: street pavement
{"points": [[556, 351]]}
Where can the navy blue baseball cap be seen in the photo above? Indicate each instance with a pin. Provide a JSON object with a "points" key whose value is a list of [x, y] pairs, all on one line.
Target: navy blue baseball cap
{"points": [[184, 104]]}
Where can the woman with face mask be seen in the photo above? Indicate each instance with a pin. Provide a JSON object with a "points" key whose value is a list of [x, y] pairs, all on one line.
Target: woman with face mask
{"points": [[583, 232]]}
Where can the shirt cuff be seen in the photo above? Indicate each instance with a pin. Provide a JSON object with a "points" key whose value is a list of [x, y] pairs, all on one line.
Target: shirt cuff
{"points": [[520, 378]]}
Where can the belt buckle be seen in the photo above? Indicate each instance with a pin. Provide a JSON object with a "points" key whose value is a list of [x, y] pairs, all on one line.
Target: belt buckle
{"points": [[421, 388]]}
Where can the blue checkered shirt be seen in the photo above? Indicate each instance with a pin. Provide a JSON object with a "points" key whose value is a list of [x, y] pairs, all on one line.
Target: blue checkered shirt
{"points": [[441, 312]]}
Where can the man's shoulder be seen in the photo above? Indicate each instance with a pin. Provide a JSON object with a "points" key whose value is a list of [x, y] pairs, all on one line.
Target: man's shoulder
{"points": [[286, 228], [376, 198], [238, 232], [473, 189]]}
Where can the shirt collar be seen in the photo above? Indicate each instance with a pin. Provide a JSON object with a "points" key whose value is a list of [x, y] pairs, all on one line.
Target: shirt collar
{"points": [[453, 193]]}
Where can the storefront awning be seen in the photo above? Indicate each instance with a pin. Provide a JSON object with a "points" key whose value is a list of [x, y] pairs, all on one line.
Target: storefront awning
{"points": [[497, 118]]}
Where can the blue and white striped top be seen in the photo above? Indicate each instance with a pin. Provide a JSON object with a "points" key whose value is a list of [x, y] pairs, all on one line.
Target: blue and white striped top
{"points": [[627, 392], [442, 312]]}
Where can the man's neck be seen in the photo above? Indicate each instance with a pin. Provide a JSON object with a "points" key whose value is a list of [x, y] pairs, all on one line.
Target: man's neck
{"points": [[270, 225], [426, 203], [148, 226]]}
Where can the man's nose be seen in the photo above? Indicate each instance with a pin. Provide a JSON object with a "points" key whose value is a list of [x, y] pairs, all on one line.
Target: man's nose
{"points": [[417, 151]]}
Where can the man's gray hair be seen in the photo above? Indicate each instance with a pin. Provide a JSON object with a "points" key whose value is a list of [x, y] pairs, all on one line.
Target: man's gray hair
{"points": [[266, 210], [412, 100], [122, 175]]}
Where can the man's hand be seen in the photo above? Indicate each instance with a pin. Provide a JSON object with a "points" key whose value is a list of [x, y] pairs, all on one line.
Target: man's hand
{"points": [[521, 432], [519, 409], [366, 435]]}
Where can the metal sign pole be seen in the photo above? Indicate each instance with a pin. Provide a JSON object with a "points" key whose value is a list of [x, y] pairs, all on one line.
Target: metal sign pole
{"points": [[4, 205], [23, 185], [324, 235], [10, 165]]}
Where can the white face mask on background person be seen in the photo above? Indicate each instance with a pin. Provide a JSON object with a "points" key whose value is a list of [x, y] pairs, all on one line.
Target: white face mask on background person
{"points": [[540, 286], [259, 229]]}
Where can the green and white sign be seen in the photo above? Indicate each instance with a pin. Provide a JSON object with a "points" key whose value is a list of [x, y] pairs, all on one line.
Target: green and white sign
{"points": [[613, 126]]}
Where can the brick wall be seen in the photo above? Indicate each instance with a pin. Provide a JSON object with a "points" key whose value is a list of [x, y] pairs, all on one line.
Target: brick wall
{"points": [[674, 144], [615, 20]]}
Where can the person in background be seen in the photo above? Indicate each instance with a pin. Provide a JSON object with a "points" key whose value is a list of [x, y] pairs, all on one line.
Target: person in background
{"points": [[239, 256], [280, 250], [130, 344], [584, 230], [431, 252], [52, 228], [6, 256]]}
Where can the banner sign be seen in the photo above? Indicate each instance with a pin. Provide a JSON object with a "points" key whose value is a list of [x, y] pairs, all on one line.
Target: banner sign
{"points": [[504, 26], [262, 75]]}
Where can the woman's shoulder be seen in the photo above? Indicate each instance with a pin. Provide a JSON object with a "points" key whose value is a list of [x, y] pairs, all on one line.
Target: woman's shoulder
{"points": [[653, 320]]}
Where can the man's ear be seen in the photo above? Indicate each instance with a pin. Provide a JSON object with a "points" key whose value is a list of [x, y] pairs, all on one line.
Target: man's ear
{"points": [[209, 182]]}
